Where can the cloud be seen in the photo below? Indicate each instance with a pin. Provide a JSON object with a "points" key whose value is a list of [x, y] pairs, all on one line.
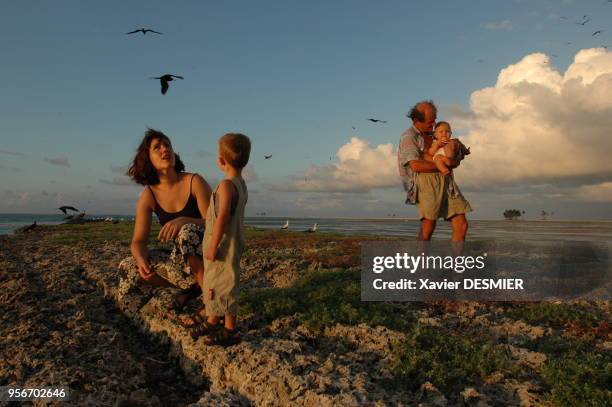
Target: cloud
{"points": [[595, 193], [504, 25], [317, 203], [361, 168], [120, 181], [12, 153], [119, 169], [537, 124], [61, 161]]}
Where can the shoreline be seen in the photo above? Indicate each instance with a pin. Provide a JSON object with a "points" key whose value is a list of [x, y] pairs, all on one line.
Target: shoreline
{"points": [[359, 218]]}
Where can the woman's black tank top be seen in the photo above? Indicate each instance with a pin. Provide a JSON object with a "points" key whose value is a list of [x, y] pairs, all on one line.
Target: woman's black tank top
{"points": [[190, 210]]}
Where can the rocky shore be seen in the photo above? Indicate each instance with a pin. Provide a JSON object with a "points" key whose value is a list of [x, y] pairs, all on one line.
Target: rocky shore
{"points": [[307, 338]]}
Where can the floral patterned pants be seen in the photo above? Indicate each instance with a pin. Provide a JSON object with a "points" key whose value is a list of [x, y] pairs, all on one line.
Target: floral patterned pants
{"points": [[173, 266]]}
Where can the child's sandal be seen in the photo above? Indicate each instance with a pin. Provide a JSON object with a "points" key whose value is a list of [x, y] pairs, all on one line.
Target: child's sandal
{"points": [[195, 319], [204, 328], [180, 300], [223, 337]]}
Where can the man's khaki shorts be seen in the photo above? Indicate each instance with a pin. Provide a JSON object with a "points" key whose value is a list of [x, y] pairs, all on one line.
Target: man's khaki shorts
{"points": [[433, 199]]}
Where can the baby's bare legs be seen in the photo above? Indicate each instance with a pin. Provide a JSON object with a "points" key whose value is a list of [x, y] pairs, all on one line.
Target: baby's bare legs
{"points": [[441, 165]]}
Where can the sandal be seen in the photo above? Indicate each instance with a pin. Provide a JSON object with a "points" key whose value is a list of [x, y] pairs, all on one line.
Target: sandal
{"points": [[203, 329], [196, 319], [180, 300], [223, 337]]}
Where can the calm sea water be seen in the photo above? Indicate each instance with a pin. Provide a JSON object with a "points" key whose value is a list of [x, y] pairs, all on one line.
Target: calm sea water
{"points": [[10, 221], [590, 231]]}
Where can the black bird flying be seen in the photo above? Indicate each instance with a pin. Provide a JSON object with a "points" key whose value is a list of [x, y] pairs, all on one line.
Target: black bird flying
{"points": [[164, 79], [586, 20], [376, 121], [67, 208], [267, 156], [144, 31]]}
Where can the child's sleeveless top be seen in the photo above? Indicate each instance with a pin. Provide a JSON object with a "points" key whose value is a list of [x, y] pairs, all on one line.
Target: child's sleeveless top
{"points": [[222, 275]]}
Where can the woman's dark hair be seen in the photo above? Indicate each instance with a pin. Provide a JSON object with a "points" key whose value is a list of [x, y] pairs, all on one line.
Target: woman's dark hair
{"points": [[141, 170], [417, 115]]}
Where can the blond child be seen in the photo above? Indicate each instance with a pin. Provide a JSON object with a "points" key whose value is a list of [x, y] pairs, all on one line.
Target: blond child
{"points": [[444, 149], [224, 244]]}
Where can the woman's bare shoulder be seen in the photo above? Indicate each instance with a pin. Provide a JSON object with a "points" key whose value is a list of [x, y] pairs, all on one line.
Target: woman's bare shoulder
{"points": [[146, 198], [199, 181]]}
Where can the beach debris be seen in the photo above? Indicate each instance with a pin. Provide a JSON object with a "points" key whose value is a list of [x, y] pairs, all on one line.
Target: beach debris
{"points": [[313, 229], [377, 121], [286, 225], [164, 79], [143, 31], [267, 157], [68, 208]]}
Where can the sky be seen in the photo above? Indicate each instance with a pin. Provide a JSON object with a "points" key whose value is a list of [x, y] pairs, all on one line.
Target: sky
{"points": [[524, 85]]}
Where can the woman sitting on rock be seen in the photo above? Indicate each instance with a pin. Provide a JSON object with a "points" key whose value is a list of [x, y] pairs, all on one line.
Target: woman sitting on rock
{"points": [[180, 201]]}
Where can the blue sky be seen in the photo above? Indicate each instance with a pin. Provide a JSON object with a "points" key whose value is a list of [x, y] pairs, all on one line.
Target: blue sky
{"points": [[294, 76]]}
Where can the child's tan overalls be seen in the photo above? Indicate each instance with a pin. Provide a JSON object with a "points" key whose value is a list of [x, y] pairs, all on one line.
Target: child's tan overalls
{"points": [[222, 276]]}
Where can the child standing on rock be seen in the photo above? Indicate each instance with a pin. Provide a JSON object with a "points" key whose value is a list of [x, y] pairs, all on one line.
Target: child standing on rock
{"points": [[224, 244]]}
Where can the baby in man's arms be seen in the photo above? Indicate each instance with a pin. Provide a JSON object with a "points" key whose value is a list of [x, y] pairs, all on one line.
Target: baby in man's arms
{"points": [[444, 148]]}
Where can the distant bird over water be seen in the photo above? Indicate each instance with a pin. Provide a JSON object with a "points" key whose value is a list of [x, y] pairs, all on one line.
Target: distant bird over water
{"points": [[286, 225], [67, 208], [377, 121], [597, 32], [267, 157], [164, 79], [143, 31]]}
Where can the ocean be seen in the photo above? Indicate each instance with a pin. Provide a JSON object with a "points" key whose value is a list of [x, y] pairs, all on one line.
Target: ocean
{"points": [[11, 221], [523, 230]]}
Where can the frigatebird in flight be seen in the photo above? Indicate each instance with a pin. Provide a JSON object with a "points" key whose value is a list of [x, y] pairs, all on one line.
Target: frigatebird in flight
{"points": [[144, 31], [67, 208], [586, 20], [377, 121], [164, 79]]}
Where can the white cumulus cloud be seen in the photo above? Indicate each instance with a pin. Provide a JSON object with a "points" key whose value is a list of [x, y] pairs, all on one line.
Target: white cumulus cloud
{"points": [[538, 123], [360, 168]]}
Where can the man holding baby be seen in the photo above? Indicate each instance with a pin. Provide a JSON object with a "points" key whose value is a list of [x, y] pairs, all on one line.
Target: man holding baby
{"points": [[425, 165]]}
